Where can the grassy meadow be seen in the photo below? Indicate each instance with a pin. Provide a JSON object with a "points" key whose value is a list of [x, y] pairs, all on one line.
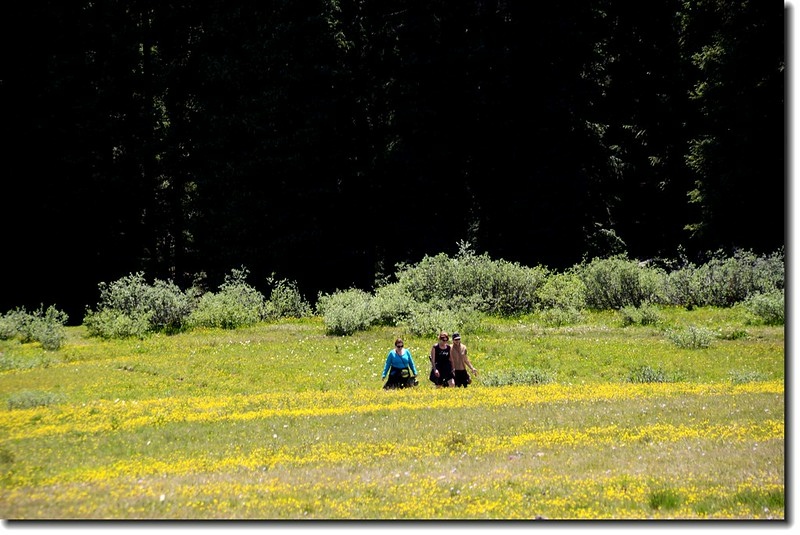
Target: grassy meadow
{"points": [[281, 421]]}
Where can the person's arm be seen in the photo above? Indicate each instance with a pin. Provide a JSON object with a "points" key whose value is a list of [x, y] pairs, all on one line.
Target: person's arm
{"points": [[433, 361], [467, 362], [411, 361], [387, 365]]}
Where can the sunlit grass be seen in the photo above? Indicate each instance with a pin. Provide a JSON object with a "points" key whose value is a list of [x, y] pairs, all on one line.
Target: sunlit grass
{"points": [[280, 421]]}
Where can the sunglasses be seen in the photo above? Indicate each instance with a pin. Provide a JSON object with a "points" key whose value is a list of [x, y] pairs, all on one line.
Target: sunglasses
{"points": [[398, 345], [444, 338]]}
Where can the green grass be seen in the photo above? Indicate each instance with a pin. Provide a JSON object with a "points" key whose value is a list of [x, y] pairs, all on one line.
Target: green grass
{"points": [[280, 420]]}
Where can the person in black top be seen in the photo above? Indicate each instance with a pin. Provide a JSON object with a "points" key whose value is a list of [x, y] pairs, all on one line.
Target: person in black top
{"points": [[442, 363]]}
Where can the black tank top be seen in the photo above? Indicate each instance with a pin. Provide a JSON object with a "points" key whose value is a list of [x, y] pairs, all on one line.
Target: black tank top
{"points": [[442, 358]]}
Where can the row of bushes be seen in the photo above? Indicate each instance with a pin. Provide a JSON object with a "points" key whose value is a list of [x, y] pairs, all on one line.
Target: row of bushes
{"points": [[45, 326], [132, 307], [443, 291], [500, 287], [451, 292]]}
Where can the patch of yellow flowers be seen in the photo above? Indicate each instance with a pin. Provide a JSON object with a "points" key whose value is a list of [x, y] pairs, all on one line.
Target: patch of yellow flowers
{"points": [[333, 479], [104, 415]]}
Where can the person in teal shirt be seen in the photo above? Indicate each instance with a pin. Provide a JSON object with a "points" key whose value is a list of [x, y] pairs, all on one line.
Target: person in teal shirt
{"points": [[400, 367]]}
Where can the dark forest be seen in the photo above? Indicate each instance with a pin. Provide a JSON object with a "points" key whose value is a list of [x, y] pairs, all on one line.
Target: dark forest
{"points": [[326, 141]]}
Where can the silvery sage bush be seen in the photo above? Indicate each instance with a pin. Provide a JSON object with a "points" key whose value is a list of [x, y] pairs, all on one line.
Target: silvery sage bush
{"points": [[562, 291], [767, 308], [500, 287], [109, 323], [347, 311], [286, 301], [393, 304], [45, 326], [645, 314], [617, 282], [724, 281], [130, 306], [235, 304], [649, 374], [11, 323], [691, 337], [429, 319]]}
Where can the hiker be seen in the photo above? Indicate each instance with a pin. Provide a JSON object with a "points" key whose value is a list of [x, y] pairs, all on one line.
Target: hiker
{"points": [[442, 363], [400, 367], [461, 362]]}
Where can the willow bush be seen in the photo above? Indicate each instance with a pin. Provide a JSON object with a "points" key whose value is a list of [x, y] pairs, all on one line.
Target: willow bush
{"points": [[496, 286], [617, 282], [45, 326], [724, 281]]}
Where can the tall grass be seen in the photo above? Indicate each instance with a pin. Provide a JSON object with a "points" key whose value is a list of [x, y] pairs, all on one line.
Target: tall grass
{"points": [[601, 394], [280, 420]]}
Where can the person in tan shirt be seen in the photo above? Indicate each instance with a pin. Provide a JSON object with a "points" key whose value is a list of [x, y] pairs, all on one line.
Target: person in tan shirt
{"points": [[461, 362]]}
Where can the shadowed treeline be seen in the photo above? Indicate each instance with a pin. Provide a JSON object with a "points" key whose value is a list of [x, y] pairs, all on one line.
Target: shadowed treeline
{"points": [[326, 141]]}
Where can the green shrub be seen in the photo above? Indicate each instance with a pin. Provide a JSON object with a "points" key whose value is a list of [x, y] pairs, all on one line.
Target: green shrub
{"points": [[127, 295], [732, 333], [646, 314], [24, 325], [767, 308], [394, 304], [235, 304], [28, 399], [26, 362], [665, 499], [429, 319], [12, 324], [499, 286], [511, 289], [48, 329], [130, 306], [724, 281], [345, 312], [680, 287], [691, 337], [769, 271], [168, 306], [616, 282], [560, 317], [108, 323], [45, 326], [631, 315], [746, 376], [455, 442], [516, 377], [286, 301], [562, 290], [648, 374]]}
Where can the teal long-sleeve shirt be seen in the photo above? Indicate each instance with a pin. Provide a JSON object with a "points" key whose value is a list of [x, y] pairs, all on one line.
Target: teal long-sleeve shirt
{"points": [[399, 361]]}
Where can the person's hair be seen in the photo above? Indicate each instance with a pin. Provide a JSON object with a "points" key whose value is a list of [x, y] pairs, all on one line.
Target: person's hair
{"points": [[443, 333], [398, 341]]}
